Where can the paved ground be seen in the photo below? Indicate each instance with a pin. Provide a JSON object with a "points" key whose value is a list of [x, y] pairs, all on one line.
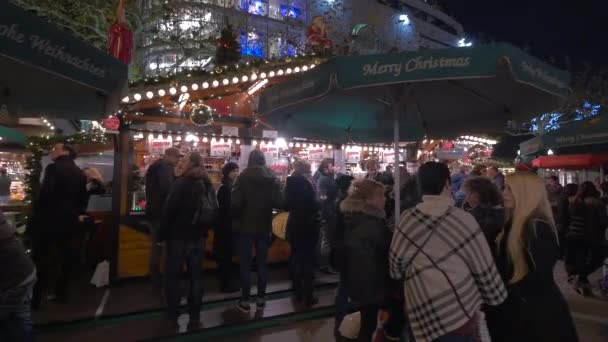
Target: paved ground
{"points": [[590, 315]]}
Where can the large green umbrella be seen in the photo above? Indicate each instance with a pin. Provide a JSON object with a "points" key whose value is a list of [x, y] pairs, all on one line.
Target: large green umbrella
{"points": [[11, 136], [44, 71], [442, 92]]}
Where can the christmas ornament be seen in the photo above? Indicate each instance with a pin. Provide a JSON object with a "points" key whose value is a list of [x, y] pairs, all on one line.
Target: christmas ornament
{"points": [[120, 37], [201, 115]]}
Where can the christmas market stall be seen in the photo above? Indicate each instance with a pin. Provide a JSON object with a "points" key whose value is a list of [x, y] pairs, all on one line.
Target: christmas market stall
{"points": [[209, 111], [574, 152]]}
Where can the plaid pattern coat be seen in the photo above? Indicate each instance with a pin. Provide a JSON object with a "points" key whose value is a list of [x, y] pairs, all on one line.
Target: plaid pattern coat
{"points": [[443, 257]]}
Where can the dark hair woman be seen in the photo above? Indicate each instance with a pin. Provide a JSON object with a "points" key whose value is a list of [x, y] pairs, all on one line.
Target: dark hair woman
{"points": [[223, 240], [302, 229], [184, 238], [484, 202], [586, 224]]}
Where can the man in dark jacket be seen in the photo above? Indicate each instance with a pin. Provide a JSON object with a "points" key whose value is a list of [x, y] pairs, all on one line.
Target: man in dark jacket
{"points": [[254, 195], [328, 193], [223, 241], [57, 212], [16, 283], [159, 178]]}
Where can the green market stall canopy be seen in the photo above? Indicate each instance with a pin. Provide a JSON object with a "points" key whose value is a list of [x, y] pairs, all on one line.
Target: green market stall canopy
{"points": [[581, 134], [11, 136], [444, 92], [44, 71]]}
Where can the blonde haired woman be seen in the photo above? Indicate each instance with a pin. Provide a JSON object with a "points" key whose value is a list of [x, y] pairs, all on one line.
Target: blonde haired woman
{"points": [[527, 252]]}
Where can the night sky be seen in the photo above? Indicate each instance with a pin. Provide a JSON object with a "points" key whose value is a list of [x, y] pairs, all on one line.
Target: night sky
{"points": [[578, 29]]}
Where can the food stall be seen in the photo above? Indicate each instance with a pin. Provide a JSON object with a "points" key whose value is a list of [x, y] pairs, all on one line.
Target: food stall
{"points": [[211, 113]]}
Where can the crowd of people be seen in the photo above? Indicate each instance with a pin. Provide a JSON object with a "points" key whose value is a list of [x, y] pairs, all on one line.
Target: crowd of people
{"points": [[470, 257]]}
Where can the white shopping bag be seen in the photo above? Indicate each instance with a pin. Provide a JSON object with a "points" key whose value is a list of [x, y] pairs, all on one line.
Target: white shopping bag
{"points": [[350, 325], [101, 277]]}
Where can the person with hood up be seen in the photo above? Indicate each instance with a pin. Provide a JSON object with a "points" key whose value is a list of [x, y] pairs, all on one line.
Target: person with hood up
{"points": [[366, 243], [336, 240], [16, 285], [302, 202], [586, 222], [535, 310], [484, 202], [255, 194], [327, 192], [183, 236], [223, 240]]}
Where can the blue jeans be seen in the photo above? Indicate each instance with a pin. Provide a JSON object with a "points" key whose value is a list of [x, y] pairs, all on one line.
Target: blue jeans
{"points": [[178, 252], [261, 242], [15, 312]]}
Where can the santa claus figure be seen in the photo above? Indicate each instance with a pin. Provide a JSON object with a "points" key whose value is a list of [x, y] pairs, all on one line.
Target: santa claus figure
{"points": [[316, 35]]}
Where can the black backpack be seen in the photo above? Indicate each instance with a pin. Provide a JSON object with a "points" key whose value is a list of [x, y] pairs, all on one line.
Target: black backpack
{"points": [[207, 207]]}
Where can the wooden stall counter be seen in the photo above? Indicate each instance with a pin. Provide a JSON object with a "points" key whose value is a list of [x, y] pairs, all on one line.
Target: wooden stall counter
{"points": [[134, 248]]}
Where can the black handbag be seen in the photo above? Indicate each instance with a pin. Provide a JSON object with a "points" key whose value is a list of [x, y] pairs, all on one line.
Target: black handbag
{"points": [[207, 210]]}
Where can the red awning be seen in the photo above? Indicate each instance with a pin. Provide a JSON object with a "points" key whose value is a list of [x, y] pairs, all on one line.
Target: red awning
{"points": [[573, 161]]}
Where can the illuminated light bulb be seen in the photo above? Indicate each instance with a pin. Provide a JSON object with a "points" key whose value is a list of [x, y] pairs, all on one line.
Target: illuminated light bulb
{"points": [[235, 80], [179, 138], [125, 99], [205, 139], [296, 70], [254, 143], [305, 68], [298, 145], [149, 94], [280, 72], [184, 89], [305, 145], [288, 71], [290, 144], [323, 146], [244, 78], [238, 142], [194, 86], [271, 74], [150, 136], [52, 128], [205, 85], [137, 97], [263, 75], [161, 92], [172, 90], [229, 141], [225, 81], [215, 84], [312, 66], [343, 147], [254, 77]]}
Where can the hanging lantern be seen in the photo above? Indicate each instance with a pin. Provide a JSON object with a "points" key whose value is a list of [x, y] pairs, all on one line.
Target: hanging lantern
{"points": [[201, 115], [120, 37]]}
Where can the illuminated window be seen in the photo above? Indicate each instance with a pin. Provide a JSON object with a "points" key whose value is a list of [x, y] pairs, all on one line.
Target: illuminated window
{"points": [[257, 7]]}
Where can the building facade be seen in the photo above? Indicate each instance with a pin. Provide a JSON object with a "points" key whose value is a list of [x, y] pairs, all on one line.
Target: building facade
{"points": [[181, 34]]}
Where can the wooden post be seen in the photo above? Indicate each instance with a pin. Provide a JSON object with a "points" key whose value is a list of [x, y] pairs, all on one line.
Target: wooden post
{"points": [[120, 182]]}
